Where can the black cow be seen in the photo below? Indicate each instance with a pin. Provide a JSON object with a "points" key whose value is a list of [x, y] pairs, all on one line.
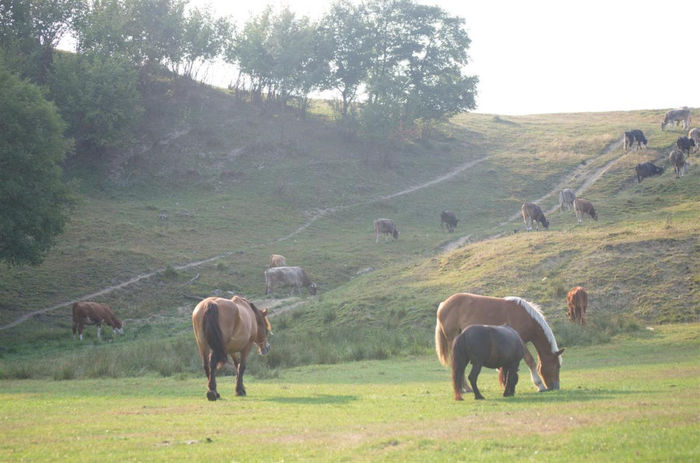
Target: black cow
{"points": [[635, 136], [448, 218], [647, 169], [685, 144]]}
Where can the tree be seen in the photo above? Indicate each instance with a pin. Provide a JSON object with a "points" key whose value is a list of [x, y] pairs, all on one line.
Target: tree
{"points": [[34, 201]]}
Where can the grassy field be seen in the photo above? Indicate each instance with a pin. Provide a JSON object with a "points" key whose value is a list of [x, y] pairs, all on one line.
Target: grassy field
{"points": [[632, 399]]}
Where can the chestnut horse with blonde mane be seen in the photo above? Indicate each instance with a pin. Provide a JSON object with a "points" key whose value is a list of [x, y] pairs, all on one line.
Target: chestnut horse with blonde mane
{"points": [[463, 309], [225, 327]]}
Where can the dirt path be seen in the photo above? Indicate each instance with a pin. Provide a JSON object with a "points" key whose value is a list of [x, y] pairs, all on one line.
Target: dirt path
{"points": [[317, 214]]}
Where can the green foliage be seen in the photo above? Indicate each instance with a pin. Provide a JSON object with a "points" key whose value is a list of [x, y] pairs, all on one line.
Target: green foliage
{"points": [[34, 200], [98, 96]]}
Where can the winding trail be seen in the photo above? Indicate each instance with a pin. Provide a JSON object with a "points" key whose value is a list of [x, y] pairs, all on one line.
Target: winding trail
{"points": [[320, 213]]}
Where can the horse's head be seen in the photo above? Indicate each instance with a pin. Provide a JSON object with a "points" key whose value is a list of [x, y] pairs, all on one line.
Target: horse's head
{"points": [[264, 330], [548, 369], [313, 288], [118, 327]]}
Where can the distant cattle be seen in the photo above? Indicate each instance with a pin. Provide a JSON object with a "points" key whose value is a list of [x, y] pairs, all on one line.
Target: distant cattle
{"points": [[677, 160], [277, 260], [566, 199], [448, 219], [694, 134], [385, 227], [647, 169], [294, 277], [685, 144], [584, 206], [676, 116], [577, 300], [532, 212], [94, 313], [635, 137]]}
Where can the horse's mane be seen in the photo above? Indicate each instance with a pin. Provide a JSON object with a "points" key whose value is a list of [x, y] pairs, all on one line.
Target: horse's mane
{"points": [[536, 313]]}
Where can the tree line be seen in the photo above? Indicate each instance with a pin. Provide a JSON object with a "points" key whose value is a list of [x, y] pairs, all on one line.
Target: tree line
{"points": [[394, 68]]}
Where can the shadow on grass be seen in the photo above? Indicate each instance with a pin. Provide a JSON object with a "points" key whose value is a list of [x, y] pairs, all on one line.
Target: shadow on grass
{"points": [[316, 399], [577, 395]]}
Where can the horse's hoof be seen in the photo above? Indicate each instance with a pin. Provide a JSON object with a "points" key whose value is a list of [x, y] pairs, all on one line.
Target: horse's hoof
{"points": [[212, 395], [241, 393], [479, 397]]}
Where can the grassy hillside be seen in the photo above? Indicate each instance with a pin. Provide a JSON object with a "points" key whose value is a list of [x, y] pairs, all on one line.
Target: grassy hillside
{"points": [[238, 183]]}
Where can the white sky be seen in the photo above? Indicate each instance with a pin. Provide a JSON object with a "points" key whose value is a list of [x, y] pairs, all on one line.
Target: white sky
{"points": [[544, 56]]}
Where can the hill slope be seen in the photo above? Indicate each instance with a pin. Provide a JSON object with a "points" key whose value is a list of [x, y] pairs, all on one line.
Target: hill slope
{"points": [[238, 183]]}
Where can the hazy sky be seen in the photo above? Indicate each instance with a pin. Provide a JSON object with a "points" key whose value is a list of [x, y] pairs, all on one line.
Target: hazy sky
{"points": [[543, 56]]}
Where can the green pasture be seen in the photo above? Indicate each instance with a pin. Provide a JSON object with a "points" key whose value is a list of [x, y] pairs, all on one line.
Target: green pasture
{"points": [[635, 398]]}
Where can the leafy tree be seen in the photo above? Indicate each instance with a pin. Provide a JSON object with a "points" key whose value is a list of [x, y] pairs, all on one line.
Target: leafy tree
{"points": [[202, 41], [99, 98], [34, 201]]}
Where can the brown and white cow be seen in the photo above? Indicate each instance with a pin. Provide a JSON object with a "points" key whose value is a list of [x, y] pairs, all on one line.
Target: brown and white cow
{"points": [[532, 213], [94, 313], [694, 134], [577, 300], [676, 116], [677, 160], [277, 260], [294, 277], [385, 227], [584, 206]]}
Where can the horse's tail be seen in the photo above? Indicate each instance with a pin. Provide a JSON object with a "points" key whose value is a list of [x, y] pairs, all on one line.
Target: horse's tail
{"points": [[441, 345], [212, 334], [502, 377], [459, 363]]}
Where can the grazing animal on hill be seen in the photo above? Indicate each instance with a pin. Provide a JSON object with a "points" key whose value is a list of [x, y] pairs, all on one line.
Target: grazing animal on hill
{"points": [[448, 219], [635, 137], [294, 277], [277, 260], [463, 309], [685, 144], [676, 116], [647, 169], [488, 346], [532, 213], [94, 313], [577, 300], [385, 227], [694, 134], [224, 327], [584, 206], [566, 199], [677, 160]]}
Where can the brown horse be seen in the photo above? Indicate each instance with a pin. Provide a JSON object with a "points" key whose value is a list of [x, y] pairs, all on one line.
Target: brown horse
{"points": [[463, 309], [225, 327], [94, 313], [487, 346], [577, 300]]}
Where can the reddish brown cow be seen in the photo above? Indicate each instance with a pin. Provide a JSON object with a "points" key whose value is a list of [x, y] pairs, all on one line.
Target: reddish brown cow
{"points": [[584, 206], [94, 313], [577, 300]]}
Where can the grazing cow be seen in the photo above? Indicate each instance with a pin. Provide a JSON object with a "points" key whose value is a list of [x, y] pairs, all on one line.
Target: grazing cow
{"points": [[584, 206], [577, 300], [676, 116], [694, 134], [532, 212], [635, 136], [277, 260], [449, 219], [94, 313], [677, 160], [294, 277], [685, 144], [385, 227], [566, 199], [647, 169]]}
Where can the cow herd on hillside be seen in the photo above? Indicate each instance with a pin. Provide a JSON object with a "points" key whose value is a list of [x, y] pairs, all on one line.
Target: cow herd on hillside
{"points": [[469, 327]]}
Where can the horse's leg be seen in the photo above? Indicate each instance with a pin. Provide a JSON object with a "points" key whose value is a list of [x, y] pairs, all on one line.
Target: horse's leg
{"points": [[211, 385], [98, 331], [530, 361], [240, 369], [511, 380], [81, 325], [473, 375]]}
